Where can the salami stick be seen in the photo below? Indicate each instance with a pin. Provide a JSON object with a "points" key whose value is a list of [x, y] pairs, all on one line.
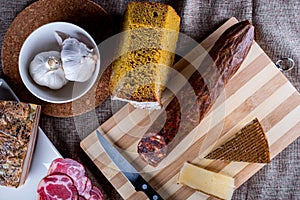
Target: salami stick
{"points": [[188, 108]]}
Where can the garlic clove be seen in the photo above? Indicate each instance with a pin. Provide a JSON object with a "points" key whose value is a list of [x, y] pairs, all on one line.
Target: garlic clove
{"points": [[60, 37], [54, 81], [46, 70], [78, 61]]}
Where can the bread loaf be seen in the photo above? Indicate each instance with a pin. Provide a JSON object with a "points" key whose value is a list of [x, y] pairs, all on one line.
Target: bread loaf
{"points": [[18, 130], [146, 52]]}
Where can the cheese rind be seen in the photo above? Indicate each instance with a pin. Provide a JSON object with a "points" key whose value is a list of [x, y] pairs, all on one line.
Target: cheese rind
{"points": [[249, 144], [212, 183]]}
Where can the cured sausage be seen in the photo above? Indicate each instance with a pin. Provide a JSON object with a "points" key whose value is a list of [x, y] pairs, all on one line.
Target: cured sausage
{"points": [[187, 110]]}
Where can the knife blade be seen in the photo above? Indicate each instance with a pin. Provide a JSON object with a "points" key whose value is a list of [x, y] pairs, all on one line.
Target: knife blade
{"points": [[138, 182], [6, 92]]}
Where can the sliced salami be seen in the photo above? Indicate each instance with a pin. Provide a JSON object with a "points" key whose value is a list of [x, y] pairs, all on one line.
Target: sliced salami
{"points": [[73, 169], [57, 186], [96, 194]]}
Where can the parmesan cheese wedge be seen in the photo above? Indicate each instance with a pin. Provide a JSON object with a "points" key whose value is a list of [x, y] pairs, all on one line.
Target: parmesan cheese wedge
{"points": [[208, 182]]}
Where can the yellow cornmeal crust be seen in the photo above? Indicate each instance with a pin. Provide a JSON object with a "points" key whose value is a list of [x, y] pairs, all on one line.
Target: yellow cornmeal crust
{"points": [[146, 52]]}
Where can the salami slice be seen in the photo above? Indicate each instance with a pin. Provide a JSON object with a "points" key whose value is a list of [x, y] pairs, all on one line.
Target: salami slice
{"points": [[96, 194], [57, 186], [73, 169]]}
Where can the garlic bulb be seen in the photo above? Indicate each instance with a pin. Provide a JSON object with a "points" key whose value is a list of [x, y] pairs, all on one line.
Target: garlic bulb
{"points": [[46, 70], [78, 61]]}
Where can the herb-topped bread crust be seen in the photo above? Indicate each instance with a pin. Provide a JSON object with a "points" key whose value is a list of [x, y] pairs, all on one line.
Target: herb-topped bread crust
{"points": [[18, 130]]}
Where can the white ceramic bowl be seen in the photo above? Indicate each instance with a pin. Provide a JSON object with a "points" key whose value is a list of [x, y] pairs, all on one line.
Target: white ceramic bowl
{"points": [[43, 39]]}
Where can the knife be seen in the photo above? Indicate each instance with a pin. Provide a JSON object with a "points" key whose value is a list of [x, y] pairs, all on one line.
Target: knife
{"points": [[6, 92], [127, 169]]}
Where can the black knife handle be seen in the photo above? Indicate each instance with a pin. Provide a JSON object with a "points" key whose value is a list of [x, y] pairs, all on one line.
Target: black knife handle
{"points": [[142, 185]]}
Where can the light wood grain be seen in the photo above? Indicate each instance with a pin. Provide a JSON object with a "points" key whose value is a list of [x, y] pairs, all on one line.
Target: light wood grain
{"points": [[258, 89]]}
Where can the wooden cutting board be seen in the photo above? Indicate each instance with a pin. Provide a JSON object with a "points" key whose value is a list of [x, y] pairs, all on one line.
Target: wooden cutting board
{"points": [[258, 89]]}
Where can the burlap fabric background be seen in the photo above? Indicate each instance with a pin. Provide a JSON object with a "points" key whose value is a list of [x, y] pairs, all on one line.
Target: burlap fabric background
{"points": [[277, 31]]}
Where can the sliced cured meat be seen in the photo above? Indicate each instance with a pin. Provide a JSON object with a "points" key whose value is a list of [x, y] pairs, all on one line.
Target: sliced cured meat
{"points": [[96, 194], [79, 181], [73, 169], [88, 187], [57, 186]]}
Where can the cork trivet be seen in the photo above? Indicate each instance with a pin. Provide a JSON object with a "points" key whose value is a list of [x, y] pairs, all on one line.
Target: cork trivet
{"points": [[84, 13], [248, 145]]}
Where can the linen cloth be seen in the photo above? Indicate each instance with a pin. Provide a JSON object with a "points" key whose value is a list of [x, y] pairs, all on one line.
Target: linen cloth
{"points": [[277, 31]]}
